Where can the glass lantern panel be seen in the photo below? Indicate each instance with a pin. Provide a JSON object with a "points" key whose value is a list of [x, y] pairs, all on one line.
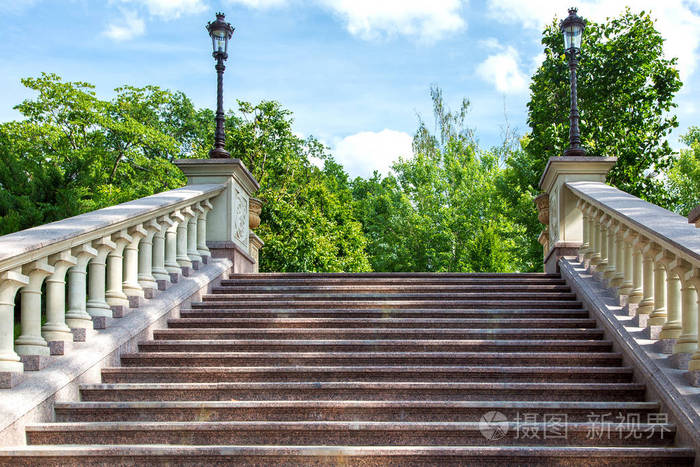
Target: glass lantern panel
{"points": [[219, 38], [572, 36]]}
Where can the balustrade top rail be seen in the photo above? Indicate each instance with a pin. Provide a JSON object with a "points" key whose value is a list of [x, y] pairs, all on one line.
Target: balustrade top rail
{"points": [[660, 225], [27, 245]]}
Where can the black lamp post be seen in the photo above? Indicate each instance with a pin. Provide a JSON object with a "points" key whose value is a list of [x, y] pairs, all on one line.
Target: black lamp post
{"points": [[572, 28], [220, 32]]}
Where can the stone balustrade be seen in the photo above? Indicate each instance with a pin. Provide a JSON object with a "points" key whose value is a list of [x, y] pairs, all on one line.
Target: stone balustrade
{"points": [[84, 269], [647, 256], [77, 274]]}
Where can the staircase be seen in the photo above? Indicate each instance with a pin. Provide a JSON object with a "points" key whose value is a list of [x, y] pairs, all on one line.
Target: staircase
{"points": [[367, 369]]}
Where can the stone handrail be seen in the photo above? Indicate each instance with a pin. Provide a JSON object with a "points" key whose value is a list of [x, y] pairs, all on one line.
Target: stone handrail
{"points": [[126, 251], [694, 216], [647, 256], [113, 258]]}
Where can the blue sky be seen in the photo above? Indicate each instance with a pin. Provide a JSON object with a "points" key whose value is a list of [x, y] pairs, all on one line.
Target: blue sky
{"points": [[356, 73]]}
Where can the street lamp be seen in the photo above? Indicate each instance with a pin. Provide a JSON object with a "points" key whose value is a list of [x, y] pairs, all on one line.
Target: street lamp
{"points": [[220, 32], [572, 28]]}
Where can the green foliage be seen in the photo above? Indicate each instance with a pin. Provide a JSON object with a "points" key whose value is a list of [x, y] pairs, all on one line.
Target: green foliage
{"points": [[625, 89], [307, 219], [74, 152], [684, 176], [441, 211]]}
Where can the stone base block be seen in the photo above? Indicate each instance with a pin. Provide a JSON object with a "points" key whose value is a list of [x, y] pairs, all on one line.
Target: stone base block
{"points": [[640, 321], [101, 322], [680, 360], [34, 362], [79, 334], [134, 301], [205, 259], [174, 277], [118, 311], [149, 293], [665, 346], [196, 265], [628, 309], [60, 347], [692, 376], [186, 271], [651, 332], [10, 379], [162, 284]]}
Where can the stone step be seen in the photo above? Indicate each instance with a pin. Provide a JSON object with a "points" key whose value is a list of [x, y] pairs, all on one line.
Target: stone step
{"points": [[599, 392], [457, 373], [448, 456], [266, 287], [393, 275], [393, 345], [373, 333], [189, 359], [395, 323], [202, 310], [232, 303], [333, 433], [403, 296], [401, 410], [391, 282]]}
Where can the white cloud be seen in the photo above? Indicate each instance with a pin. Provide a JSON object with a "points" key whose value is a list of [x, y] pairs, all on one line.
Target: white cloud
{"points": [[170, 9], [365, 152], [259, 3], [128, 27], [428, 20], [502, 69], [370, 19], [678, 20]]}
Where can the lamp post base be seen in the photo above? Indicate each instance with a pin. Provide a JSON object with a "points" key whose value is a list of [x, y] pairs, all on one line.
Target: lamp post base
{"points": [[219, 153], [575, 152]]}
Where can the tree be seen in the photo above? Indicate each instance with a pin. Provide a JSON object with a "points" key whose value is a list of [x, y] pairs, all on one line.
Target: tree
{"points": [[684, 176], [441, 211], [626, 90]]}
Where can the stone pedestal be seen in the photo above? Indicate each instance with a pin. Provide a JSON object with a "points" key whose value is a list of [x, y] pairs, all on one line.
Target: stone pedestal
{"points": [[227, 227], [565, 219]]}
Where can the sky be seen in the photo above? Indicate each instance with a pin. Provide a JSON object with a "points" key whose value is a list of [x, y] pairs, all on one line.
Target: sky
{"points": [[355, 73]]}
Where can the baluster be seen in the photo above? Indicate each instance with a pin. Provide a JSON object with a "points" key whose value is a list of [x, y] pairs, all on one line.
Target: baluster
{"points": [[646, 306], [192, 252], [586, 244], [116, 297], [603, 262], [611, 270], [182, 259], [202, 248], [596, 234], [694, 364], [671, 330], [171, 264], [687, 342], [30, 341], [627, 263], [10, 282], [161, 275], [636, 294], [146, 259], [77, 316], [97, 305], [131, 286], [56, 328]]}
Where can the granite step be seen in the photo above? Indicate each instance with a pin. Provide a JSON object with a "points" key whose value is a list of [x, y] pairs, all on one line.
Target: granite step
{"points": [[395, 281], [395, 323], [399, 410], [203, 310], [374, 333], [395, 275], [384, 345], [630, 392], [189, 359], [456, 373], [454, 295], [362, 433], [413, 456], [237, 303], [235, 288]]}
